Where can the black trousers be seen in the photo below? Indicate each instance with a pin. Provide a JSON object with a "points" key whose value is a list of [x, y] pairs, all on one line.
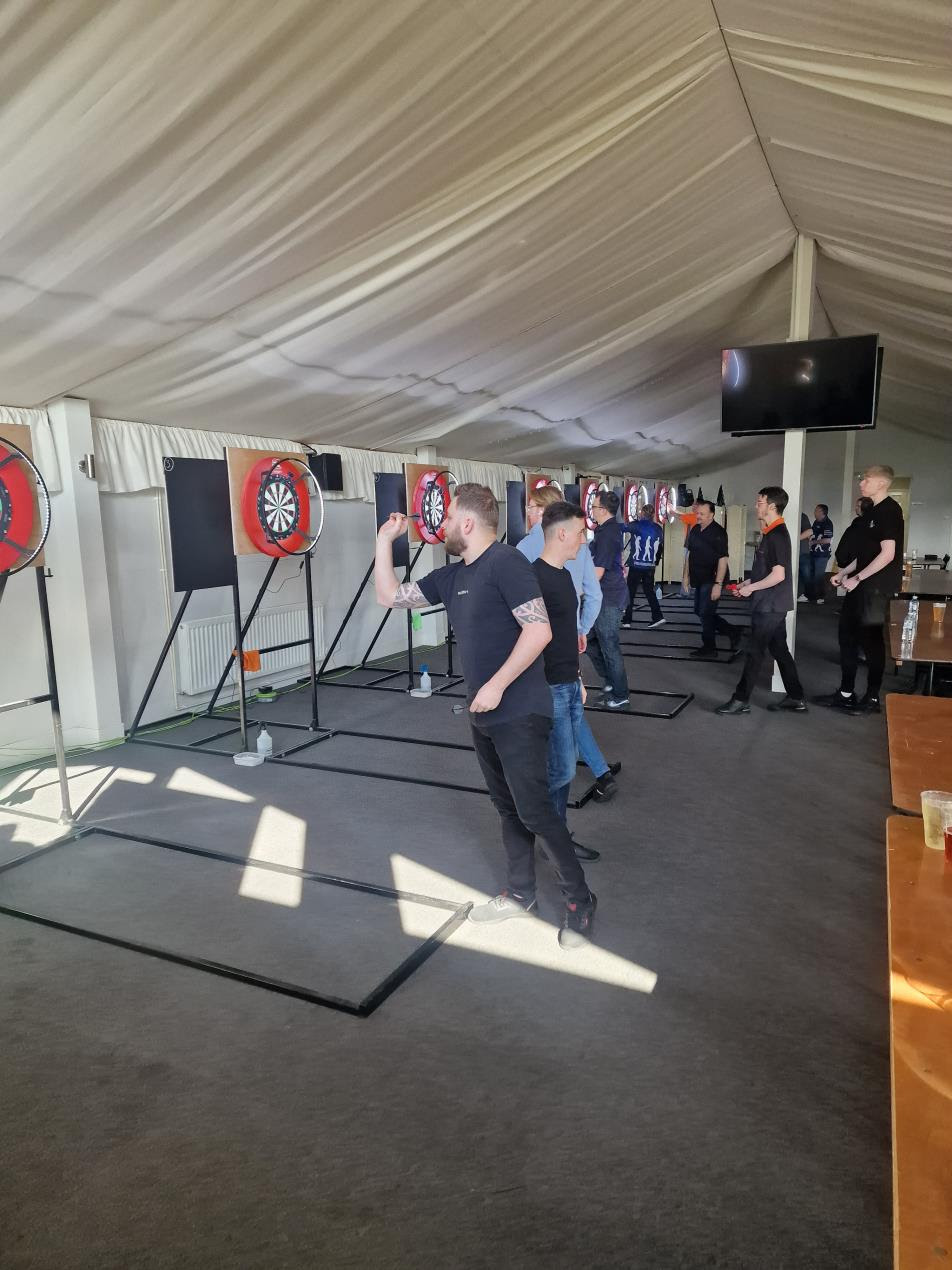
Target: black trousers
{"points": [[768, 636], [642, 580], [514, 760], [855, 635]]}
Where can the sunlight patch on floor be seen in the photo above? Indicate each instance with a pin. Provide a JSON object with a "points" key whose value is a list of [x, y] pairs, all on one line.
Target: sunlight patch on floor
{"points": [[529, 940], [279, 839], [185, 780]]}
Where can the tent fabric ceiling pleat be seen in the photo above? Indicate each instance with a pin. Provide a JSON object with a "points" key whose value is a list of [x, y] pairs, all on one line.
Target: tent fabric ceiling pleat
{"points": [[522, 231]]}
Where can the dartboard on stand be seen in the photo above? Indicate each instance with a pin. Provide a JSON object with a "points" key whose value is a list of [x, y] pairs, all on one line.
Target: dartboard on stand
{"points": [[24, 509], [589, 488], [666, 503], [633, 502]]}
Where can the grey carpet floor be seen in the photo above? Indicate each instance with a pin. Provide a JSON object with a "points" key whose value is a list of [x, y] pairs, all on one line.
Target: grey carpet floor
{"points": [[503, 1107]]}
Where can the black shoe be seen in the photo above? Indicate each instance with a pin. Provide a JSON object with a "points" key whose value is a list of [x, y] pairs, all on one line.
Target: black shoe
{"points": [[614, 768], [795, 704], [606, 787], [704, 651], [866, 705], [585, 853], [578, 924], [836, 701], [733, 707]]}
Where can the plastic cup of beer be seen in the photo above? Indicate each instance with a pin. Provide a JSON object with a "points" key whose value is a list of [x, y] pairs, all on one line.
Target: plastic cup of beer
{"points": [[936, 816], [938, 612]]}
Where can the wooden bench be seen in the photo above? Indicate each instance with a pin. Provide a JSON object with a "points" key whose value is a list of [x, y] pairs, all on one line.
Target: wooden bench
{"points": [[920, 749], [920, 958]]}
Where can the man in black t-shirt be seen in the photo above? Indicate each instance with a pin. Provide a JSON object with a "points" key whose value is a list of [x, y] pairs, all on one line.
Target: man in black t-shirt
{"points": [[495, 608], [705, 569], [870, 579], [770, 588], [563, 525]]}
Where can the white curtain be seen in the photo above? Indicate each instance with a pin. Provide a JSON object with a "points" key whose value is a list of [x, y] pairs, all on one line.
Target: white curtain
{"points": [[129, 457]]}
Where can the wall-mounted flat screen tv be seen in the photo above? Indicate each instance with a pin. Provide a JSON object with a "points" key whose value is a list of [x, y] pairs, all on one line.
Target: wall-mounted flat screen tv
{"points": [[820, 385]]}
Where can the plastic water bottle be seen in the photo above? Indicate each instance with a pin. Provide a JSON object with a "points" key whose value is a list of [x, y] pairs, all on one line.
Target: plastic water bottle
{"points": [[264, 744], [657, 591], [426, 683]]}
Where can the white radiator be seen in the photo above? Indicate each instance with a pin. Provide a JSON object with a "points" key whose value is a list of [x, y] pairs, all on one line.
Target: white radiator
{"points": [[202, 647]]}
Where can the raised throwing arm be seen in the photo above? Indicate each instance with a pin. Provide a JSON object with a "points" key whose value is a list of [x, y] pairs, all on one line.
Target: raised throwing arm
{"points": [[391, 593]]}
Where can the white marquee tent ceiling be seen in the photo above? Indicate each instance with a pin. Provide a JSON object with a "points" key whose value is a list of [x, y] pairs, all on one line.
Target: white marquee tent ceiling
{"points": [[522, 229]]}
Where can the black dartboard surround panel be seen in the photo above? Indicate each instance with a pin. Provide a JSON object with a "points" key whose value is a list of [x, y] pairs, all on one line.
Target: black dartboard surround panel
{"points": [[203, 554]]}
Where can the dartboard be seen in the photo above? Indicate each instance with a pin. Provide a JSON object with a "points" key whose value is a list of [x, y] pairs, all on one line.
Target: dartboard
{"points": [[662, 506], [279, 507], [23, 494], [431, 504], [275, 507], [631, 503]]}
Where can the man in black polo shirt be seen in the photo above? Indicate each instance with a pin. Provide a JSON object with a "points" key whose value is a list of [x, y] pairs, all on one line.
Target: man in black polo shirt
{"points": [[705, 569], [495, 608], [870, 579], [770, 588], [604, 644]]}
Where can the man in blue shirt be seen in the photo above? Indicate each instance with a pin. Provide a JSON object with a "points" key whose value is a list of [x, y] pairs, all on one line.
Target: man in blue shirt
{"points": [[604, 646], [821, 547], [644, 548], [589, 591]]}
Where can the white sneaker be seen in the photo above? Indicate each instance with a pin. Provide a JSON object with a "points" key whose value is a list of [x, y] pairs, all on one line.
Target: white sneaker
{"points": [[802, 599], [501, 908], [821, 601], [612, 704], [653, 626]]}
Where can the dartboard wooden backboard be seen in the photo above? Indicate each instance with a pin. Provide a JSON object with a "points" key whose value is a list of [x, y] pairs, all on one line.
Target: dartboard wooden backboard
{"points": [[413, 472], [240, 463], [19, 434]]}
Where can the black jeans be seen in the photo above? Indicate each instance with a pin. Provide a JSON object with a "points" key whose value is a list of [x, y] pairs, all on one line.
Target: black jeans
{"points": [[642, 580], [854, 635], [711, 624], [768, 635], [514, 759]]}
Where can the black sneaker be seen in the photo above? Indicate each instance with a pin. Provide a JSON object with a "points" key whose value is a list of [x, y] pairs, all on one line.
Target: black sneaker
{"points": [[706, 650], [733, 707], [606, 787], [585, 853], [578, 924], [795, 704], [867, 705], [836, 701]]}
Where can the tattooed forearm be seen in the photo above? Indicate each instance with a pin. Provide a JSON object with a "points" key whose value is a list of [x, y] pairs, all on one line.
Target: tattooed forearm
{"points": [[533, 611], [409, 596]]}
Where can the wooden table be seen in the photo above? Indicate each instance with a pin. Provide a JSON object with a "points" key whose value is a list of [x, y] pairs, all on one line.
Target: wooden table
{"points": [[920, 964], [929, 583], [932, 643], [920, 750]]}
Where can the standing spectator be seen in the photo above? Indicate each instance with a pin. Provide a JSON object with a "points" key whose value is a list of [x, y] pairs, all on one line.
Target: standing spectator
{"points": [[821, 547], [770, 588], [565, 535], [495, 607], [604, 646], [853, 535], [644, 547], [705, 569], [870, 579], [803, 571], [589, 592]]}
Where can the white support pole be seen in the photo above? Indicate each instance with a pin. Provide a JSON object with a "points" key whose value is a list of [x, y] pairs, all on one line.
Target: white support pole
{"points": [[849, 465], [794, 443]]}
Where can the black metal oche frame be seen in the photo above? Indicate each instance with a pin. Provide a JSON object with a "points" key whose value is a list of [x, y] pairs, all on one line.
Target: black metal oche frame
{"points": [[360, 1009], [52, 696]]}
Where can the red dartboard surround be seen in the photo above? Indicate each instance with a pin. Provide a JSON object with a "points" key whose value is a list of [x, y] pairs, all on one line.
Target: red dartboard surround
{"points": [[275, 507], [588, 491], [631, 501], [431, 503], [17, 508]]}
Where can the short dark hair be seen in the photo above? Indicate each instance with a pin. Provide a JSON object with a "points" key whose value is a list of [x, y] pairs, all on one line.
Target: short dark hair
{"points": [[479, 501], [865, 505], [557, 514], [706, 502], [646, 512], [774, 494], [826, 510], [608, 499]]}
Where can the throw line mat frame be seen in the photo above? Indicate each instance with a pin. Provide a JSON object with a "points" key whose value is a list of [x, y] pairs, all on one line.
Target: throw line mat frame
{"points": [[359, 1009]]}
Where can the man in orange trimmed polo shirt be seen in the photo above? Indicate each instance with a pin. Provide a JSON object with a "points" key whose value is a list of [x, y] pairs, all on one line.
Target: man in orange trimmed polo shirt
{"points": [[770, 588]]}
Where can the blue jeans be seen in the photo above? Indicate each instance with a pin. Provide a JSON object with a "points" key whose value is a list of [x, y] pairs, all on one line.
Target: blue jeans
{"points": [[604, 648], [814, 576], [563, 741], [588, 750]]}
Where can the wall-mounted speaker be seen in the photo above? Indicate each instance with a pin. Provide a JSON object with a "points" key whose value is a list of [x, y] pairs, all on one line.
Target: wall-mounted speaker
{"points": [[328, 471]]}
